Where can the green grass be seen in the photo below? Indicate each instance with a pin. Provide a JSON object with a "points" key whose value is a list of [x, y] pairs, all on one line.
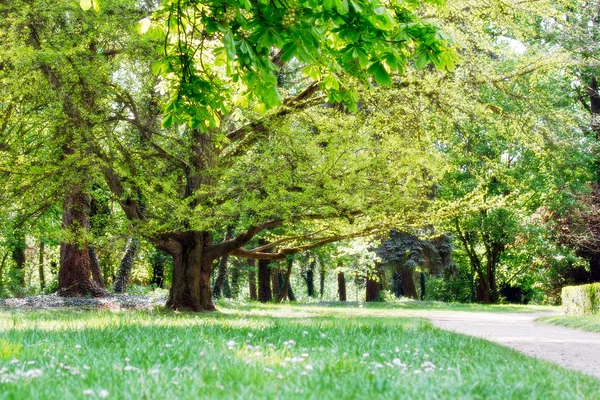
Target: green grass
{"points": [[584, 322], [264, 352]]}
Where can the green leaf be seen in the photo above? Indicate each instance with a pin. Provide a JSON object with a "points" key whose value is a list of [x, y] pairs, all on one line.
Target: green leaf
{"points": [[289, 51], [422, 59], [85, 4], [342, 6], [229, 44], [380, 74]]}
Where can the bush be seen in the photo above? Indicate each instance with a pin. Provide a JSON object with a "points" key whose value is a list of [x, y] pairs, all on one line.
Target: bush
{"points": [[581, 300]]}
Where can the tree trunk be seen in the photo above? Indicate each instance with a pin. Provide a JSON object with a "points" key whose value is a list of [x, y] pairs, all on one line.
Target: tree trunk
{"points": [[285, 288], [190, 289], [397, 283], [372, 293], [309, 277], [408, 283], [18, 256], [275, 287], [482, 290], [422, 284], [252, 279], [264, 281], [221, 287], [95, 267], [235, 280], [321, 279], [126, 266], [341, 286], [74, 275], [41, 266]]}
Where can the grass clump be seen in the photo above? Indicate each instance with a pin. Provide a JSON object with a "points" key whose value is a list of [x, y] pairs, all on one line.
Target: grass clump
{"points": [[256, 352], [585, 322]]}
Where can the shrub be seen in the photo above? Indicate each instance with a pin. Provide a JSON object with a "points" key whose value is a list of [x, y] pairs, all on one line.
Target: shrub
{"points": [[581, 300]]}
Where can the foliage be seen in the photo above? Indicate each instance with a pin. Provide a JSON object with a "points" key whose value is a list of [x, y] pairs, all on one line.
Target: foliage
{"points": [[581, 300]]}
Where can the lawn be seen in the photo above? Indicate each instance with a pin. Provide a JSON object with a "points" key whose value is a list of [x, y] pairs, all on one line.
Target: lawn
{"points": [[584, 322], [264, 352]]}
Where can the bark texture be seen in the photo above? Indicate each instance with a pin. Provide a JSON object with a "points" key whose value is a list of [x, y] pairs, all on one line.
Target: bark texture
{"points": [[74, 275], [252, 279], [125, 266], [372, 290], [190, 289], [341, 279], [95, 267], [264, 281]]}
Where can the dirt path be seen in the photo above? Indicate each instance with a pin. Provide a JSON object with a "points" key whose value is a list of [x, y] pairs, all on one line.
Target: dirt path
{"points": [[567, 347]]}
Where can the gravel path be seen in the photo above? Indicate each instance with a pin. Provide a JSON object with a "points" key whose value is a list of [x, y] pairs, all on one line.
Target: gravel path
{"points": [[113, 302], [567, 347]]}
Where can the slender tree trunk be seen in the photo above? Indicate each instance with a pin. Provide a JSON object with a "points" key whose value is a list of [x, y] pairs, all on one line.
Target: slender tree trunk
{"points": [[18, 256], [264, 281], [252, 279], [190, 289], [221, 287], [422, 284], [95, 267], [74, 275], [276, 289], [126, 266], [2, 263], [397, 282], [309, 277], [372, 290], [341, 286], [235, 280], [285, 288], [41, 266], [408, 283], [321, 279]]}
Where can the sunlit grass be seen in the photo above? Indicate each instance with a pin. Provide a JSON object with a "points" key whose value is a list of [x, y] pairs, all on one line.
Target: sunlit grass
{"points": [[264, 352], [584, 322]]}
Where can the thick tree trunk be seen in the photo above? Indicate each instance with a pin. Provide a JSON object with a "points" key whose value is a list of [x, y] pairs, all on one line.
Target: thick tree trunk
{"points": [[408, 283], [74, 275], [372, 290], [482, 290], [190, 289], [264, 281], [252, 279], [95, 267], [341, 286], [41, 266], [126, 266]]}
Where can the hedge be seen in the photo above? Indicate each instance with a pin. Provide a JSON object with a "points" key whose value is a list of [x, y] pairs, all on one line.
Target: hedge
{"points": [[580, 300]]}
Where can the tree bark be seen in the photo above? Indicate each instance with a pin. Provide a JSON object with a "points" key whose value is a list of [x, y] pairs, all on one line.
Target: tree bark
{"points": [[41, 266], [321, 279], [341, 286], [309, 278], [126, 266], [95, 267], [252, 279], [372, 290], [221, 287], [408, 283], [275, 287], [285, 289], [190, 290], [235, 280], [264, 281], [74, 275], [18, 256]]}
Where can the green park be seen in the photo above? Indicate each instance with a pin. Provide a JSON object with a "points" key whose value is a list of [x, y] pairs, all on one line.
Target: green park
{"points": [[299, 199]]}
